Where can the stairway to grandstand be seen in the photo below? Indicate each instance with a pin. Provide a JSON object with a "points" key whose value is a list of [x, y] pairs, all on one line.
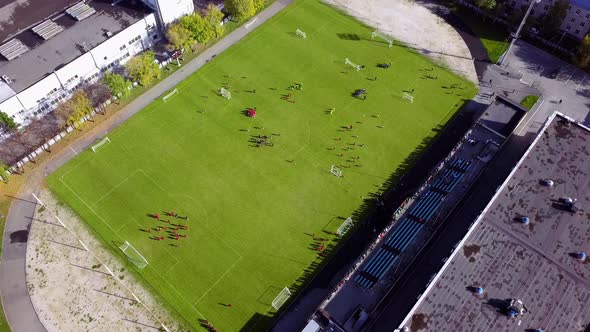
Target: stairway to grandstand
{"points": [[407, 228]]}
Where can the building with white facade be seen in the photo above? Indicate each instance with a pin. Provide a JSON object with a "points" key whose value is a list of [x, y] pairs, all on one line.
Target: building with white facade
{"points": [[48, 49], [577, 20]]}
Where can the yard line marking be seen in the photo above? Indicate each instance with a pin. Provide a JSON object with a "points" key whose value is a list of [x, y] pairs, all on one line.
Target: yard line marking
{"points": [[117, 186], [218, 280]]}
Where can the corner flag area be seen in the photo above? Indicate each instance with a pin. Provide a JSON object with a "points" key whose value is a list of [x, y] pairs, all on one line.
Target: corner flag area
{"points": [[230, 201]]}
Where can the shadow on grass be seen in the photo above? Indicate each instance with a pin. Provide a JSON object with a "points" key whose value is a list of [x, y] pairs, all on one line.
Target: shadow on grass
{"points": [[325, 272]]}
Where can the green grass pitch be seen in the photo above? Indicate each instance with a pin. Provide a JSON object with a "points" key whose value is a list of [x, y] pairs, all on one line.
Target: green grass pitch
{"points": [[251, 207]]}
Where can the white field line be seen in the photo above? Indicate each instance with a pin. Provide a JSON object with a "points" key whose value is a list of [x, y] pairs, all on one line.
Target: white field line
{"points": [[218, 280], [115, 187]]}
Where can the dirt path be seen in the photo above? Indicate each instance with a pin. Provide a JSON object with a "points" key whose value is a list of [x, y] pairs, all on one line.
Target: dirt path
{"points": [[416, 26]]}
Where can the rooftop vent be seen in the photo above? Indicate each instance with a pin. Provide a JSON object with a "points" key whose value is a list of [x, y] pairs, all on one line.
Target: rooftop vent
{"points": [[13, 49], [80, 11], [47, 29]]}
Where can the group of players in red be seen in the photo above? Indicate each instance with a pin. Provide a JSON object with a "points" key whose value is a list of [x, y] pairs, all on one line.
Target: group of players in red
{"points": [[172, 229]]}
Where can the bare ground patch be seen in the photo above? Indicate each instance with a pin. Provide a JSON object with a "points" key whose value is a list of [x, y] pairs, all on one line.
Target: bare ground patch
{"points": [[72, 291], [417, 27]]}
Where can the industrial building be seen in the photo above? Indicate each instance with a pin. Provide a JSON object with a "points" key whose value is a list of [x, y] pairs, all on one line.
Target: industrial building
{"points": [[48, 49], [522, 265]]}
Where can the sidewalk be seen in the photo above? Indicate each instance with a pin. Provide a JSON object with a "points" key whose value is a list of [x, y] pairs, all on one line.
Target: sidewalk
{"points": [[18, 308]]}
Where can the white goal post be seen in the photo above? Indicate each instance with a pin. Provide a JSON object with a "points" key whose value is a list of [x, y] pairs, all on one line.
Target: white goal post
{"points": [[382, 36], [101, 143], [408, 96], [301, 33], [345, 227], [352, 64], [172, 93], [283, 296], [336, 171], [225, 93], [133, 255]]}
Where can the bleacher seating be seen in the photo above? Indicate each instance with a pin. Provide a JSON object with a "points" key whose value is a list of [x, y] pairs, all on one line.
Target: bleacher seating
{"points": [[408, 228]]}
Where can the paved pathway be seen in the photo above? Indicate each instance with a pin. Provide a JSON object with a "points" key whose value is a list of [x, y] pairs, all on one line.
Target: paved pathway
{"points": [[18, 308]]}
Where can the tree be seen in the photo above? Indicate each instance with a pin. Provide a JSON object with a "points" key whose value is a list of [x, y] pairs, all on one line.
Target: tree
{"points": [[98, 94], [213, 18], [118, 85], [4, 172], [179, 37], [259, 5], [144, 68], [582, 57], [551, 22], [7, 121], [197, 27], [486, 4], [75, 108], [240, 9]]}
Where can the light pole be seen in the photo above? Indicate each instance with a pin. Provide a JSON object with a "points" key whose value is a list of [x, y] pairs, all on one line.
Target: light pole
{"points": [[517, 34]]}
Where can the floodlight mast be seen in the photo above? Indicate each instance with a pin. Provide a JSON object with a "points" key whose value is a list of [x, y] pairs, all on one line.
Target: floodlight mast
{"points": [[517, 34]]}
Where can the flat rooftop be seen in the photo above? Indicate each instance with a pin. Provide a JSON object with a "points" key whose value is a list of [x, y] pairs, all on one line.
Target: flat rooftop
{"points": [[534, 263], [46, 56], [18, 15]]}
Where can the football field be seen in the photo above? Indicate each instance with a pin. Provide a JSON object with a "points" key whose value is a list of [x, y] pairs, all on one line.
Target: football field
{"points": [[257, 189]]}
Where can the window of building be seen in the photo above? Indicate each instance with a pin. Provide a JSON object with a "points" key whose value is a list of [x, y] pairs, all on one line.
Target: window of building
{"points": [[568, 27], [582, 24], [577, 11], [573, 20], [122, 47], [587, 15], [577, 32], [134, 40], [546, 7]]}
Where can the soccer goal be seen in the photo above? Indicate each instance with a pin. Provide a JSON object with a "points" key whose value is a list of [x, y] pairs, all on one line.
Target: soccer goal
{"points": [[301, 33], [101, 143], [345, 227], [408, 96], [382, 36], [133, 255], [225, 93], [172, 93], [336, 171], [283, 296], [352, 64]]}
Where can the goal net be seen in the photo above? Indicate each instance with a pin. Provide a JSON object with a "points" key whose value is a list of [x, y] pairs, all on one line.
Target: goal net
{"points": [[99, 144], [352, 64], [133, 255], [172, 93], [345, 227], [225, 93], [283, 296], [336, 171], [408, 97], [301, 33], [382, 36]]}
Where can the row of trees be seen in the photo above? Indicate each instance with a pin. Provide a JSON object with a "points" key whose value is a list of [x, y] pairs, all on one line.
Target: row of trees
{"points": [[194, 28]]}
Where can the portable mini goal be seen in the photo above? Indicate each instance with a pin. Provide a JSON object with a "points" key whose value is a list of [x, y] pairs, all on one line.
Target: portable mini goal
{"points": [[225, 93], [336, 171], [301, 33], [352, 64], [345, 227], [133, 255], [99, 144], [172, 93], [382, 36], [408, 97], [283, 296]]}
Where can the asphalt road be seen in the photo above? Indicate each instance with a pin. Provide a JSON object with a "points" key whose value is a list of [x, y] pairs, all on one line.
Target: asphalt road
{"points": [[18, 308]]}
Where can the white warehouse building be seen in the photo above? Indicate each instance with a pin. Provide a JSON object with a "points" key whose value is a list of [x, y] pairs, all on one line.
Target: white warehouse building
{"points": [[50, 48]]}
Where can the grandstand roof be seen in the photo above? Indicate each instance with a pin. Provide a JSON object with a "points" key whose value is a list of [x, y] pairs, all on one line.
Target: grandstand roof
{"points": [[534, 263]]}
